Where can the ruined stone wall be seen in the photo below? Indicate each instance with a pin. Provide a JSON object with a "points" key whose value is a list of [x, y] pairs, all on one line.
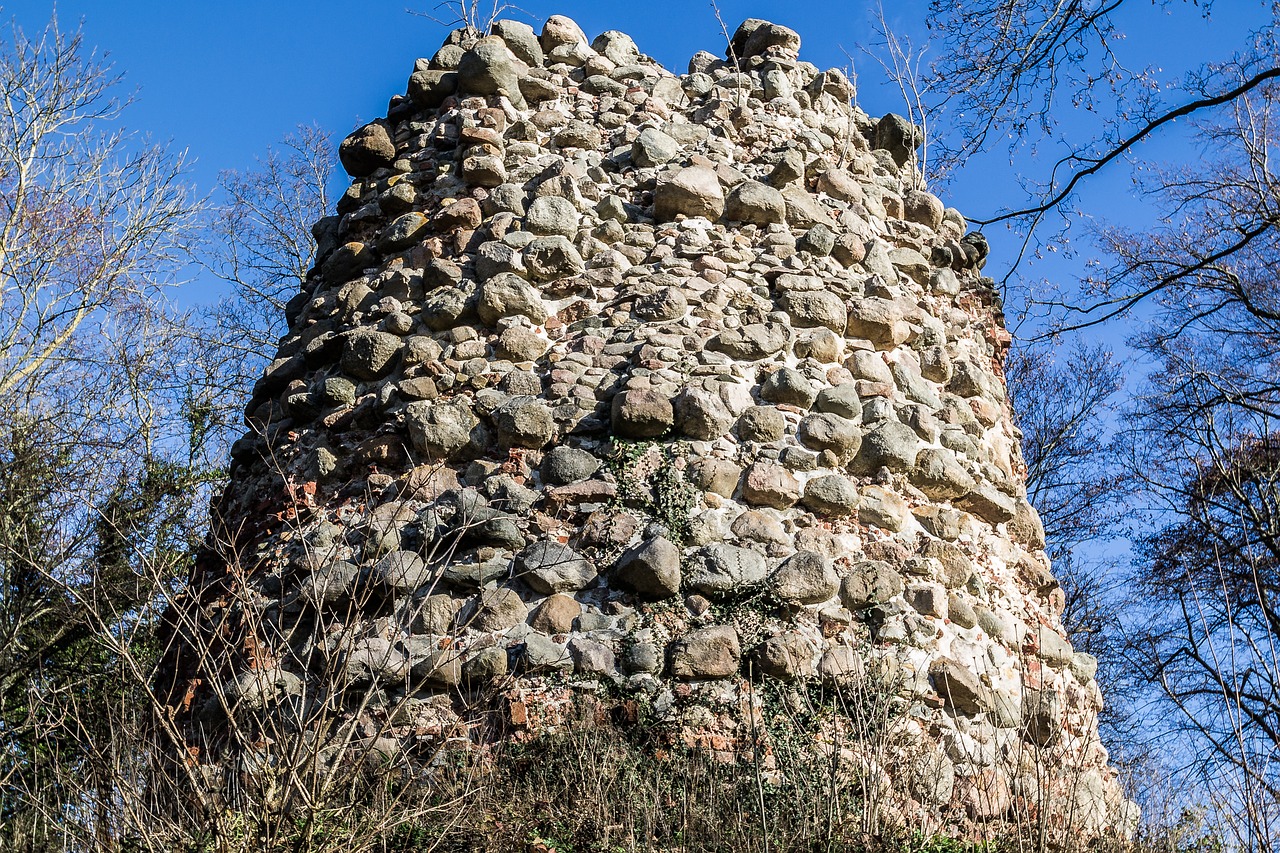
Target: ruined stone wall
{"points": [[681, 384]]}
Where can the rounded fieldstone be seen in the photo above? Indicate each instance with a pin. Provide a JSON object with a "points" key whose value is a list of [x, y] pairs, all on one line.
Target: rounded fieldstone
{"points": [[524, 423], [756, 203], [520, 344], [555, 614], [653, 148], [786, 656], [366, 150], [870, 582], [563, 465], [691, 192], [766, 484], [761, 423], [816, 308], [440, 431], [806, 578], [508, 295], [401, 571], [493, 610], [403, 232], [712, 652], [893, 445], [842, 400], [651, 569], [368, 354], [521, 40], [831, 494], [641, 414], [790, 387], [550, 215], [825, 431], [720, 568], [701, 414], [553, 567], [490, 68], [550, 258]]}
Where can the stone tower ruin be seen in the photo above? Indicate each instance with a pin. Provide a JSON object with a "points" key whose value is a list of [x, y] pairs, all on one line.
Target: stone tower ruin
{"points": [[682, 384]]}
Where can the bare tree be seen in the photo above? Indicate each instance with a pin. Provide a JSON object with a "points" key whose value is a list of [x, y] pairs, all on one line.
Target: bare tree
{"points": [[259, 239], [90, 217]]}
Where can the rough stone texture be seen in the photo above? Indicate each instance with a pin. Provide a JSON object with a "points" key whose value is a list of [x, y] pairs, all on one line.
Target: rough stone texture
{"points": [[605, 373]]}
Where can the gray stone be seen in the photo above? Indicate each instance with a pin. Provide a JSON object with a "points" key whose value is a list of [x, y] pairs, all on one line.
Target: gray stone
{"points": [[898, 136], [819, 240], [653, 148], [550, 258], [869, 583], [493, 611], [366, 150], [429, 88], [826, 431], [712, 652], [882, 508], [550, 567], [641, 414], [560, 31], [564, 465], [441, 431], [754, 202], [484, 170], [524, 423], [490, 68], [368, 354], [642, 658], [939, 474], [617, 47], [893, 445], [752, 342], [831, 494], [806, 578], [508, 295], [330, 584], [721, 568], [591, 657], [694, 191], [666, 304], [819, 308], [928, 599], [841, 400], [923, 207], [718, 476], [766, 484], [790, 387], [403, 232], [542, 653], [485, 664], [989, 503], [786, 656], [841, 665], [577, 134], [959, 686], [402, 571], [435, 667], [521, 40], [651, 569], [374, 660], [551, 214], [701, 414], [761, 423], [755, 37], [519, 344]]}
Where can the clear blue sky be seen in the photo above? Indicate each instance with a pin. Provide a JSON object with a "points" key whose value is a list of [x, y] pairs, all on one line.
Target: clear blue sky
{"points": [[225, 80]]}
